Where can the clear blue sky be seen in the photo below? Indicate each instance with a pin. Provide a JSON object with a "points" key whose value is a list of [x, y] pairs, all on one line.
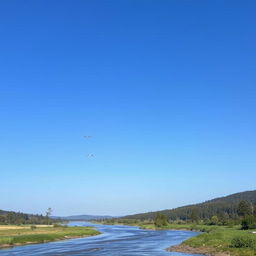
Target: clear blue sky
{"points": [[167, 89]]}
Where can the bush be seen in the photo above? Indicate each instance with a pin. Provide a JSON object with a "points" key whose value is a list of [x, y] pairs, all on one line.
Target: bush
{"points": [[214, 220], [160, 220], [33, 227], [56, 225], [243, 242], [193, 227], [249, 222]]}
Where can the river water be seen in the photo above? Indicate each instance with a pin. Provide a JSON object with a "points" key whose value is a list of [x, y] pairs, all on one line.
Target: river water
{"points": [[114, 241]]}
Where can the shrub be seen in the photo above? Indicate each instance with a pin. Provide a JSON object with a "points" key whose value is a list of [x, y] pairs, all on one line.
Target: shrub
{"points": [[243, 242], [56, 225], [193, 227], [249, 222], [160, 220], [214, 220]]}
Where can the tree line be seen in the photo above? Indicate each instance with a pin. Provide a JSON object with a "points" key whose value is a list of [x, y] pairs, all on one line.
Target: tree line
{"points": [[18, 218], [224, 208], [245, 214]]}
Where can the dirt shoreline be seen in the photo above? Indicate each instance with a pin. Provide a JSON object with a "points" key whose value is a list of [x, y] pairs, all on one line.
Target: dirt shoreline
{"points": [[200, 250]]}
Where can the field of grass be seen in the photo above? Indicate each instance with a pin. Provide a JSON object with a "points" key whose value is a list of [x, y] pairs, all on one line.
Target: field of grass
{"points": [[19, 235]]}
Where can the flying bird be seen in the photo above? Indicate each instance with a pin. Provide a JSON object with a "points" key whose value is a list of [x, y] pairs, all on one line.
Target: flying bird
{"points": [[88, 137]]}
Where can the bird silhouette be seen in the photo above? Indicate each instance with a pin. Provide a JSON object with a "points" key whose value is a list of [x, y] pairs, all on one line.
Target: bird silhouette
{"points": [[87, 136]]}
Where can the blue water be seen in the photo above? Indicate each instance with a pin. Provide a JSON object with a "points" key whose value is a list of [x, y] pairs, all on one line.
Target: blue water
{"points": [[114, 241]]}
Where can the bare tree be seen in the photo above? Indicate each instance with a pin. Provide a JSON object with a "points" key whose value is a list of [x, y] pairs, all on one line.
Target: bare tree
{"points": [[48, 214]]}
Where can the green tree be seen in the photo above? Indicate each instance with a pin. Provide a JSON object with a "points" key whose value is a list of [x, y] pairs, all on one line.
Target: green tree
{"points": [[2, 219], [214, 220], [244, 208], [254, 209], [160, 220], [194, 216], [223, 218], [248, 222]]}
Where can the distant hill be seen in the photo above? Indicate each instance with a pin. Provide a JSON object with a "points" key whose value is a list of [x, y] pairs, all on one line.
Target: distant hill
{"points": [[223, 205], [83, 217]]}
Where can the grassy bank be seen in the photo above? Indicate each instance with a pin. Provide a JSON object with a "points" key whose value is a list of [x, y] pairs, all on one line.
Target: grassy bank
{"points": [[172, 226], [215, 240], [20, 235], [219, 240], [150, 225]]}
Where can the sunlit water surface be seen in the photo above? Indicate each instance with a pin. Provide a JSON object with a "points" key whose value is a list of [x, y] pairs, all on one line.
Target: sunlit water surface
{"points": [[114, 241]]}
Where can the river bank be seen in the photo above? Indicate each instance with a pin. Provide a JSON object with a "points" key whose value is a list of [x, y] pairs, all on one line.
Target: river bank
{"points": [[213, 240], [115, 240], [22, 235], [219, 242]]}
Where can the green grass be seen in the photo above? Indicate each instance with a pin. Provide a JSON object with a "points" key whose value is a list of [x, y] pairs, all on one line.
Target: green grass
{"points": [[221, 239], [42, 234], [150, 225], [202, 228], [217, 238]]}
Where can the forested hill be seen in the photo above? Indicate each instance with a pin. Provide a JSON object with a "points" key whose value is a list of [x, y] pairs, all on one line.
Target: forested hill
{"points": [[83, 217], [10, 217], [226, 206]]}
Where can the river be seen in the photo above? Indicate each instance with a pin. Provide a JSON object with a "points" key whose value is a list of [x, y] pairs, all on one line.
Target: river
{"points": [[114, 241]]}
